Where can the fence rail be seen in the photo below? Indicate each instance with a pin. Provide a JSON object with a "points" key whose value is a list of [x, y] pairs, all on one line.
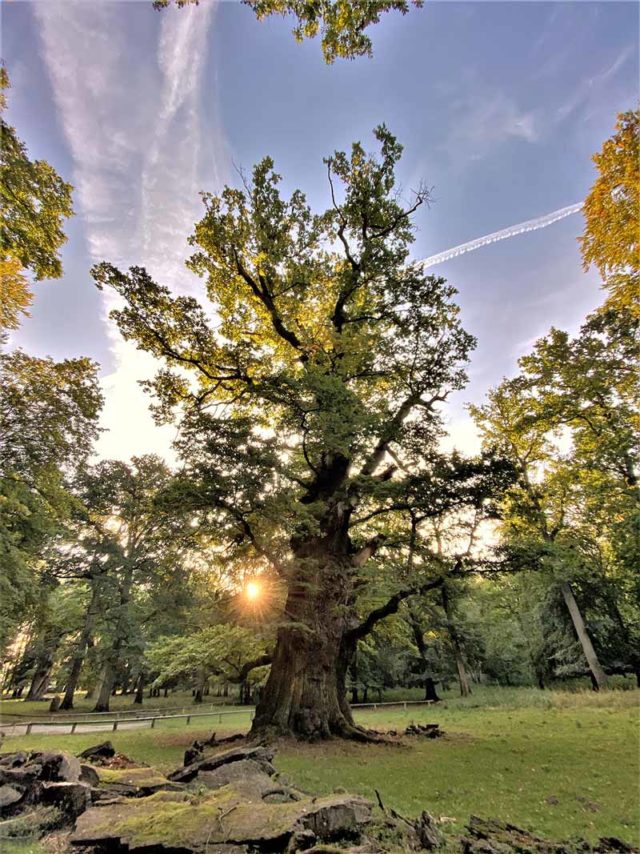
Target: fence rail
{"points": [[111, 723], [73, 715]]}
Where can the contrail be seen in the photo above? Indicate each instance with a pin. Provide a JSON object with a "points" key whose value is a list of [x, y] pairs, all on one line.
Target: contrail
{"points": [[503, 234]]}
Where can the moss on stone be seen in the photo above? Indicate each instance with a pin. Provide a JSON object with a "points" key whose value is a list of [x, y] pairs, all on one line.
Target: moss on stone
{"points": [[140, 778], [223, 816]]}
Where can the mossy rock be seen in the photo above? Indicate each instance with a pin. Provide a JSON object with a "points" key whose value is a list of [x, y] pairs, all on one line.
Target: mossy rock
{"points": [[223, 817], [134, 781]]}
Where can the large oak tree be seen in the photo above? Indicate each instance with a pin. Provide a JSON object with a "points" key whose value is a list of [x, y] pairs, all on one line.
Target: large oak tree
{"points": [[309, 394]]}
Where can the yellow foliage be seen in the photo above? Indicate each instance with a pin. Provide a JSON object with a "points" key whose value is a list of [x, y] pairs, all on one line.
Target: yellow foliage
{"points": [[15, 294], [611, 237]]}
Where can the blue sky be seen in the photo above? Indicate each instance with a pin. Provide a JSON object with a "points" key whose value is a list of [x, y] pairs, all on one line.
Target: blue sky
{"points": [[499, 107]]}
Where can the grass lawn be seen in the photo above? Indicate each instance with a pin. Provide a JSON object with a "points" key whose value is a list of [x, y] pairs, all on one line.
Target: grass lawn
{"points": [[557, 763]]}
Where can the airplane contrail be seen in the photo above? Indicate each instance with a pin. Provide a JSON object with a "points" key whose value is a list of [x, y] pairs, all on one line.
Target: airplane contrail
{"points": [[503, 234]]}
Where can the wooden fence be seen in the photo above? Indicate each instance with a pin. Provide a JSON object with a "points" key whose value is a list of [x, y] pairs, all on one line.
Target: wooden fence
{"points": [[103, 721]]}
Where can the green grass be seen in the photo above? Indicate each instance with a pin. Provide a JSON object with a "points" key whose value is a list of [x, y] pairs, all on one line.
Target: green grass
{"points": [[502, 762], [507, 752], [19, 846], [183, 699]]}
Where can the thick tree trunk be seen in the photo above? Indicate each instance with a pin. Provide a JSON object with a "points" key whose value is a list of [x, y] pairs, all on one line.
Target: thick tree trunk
{"points": [[598, 675], [430, 692], [305, 692], [301, 694]]}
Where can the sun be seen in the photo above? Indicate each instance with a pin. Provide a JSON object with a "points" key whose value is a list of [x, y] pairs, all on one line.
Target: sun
{"points": [[252, 591]]}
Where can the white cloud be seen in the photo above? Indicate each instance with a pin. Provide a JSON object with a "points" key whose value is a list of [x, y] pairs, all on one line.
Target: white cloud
{"points": [[132, 122], [593, 88], [483, 120]]}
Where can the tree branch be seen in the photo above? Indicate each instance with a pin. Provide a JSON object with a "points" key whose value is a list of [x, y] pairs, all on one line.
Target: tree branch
{"points": [[391, 606], [243, 672], [368, 550], [266, 298]]}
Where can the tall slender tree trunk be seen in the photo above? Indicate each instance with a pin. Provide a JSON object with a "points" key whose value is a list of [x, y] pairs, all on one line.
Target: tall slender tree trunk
{"points": [[199, 689], [81, 650], [600, 680], [430, 692], [44, 666], [463, 681], [40, 680], [465, 687], [353, 673], [106, 685], [113, 655], [74, 676], [24, 660], [139, 697]]}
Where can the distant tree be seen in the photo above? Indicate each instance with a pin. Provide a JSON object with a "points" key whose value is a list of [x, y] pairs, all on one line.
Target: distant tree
{"points": [[48, 413], [142, 547], [226, 651], [59, 616], [35, 202], [310, 422], [341, 23], [611, 237], [569, 423], [535, 511]]}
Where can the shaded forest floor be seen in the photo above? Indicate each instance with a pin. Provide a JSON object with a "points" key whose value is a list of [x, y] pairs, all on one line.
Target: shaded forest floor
{"points": [[558, 763]]}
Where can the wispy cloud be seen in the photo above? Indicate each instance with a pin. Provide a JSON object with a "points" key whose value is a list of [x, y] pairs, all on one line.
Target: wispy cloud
{"points": [[594, 87], [140, 159], [485, 119]]}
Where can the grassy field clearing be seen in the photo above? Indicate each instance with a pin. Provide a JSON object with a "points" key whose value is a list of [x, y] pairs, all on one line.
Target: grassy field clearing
{"points": [[557, 763]]}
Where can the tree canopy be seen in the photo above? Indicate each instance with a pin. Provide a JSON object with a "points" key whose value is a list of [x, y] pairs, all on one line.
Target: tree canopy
{"points": [[340, 23], [35, 203], [612, 211], [309, 414], [48, 412]]}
